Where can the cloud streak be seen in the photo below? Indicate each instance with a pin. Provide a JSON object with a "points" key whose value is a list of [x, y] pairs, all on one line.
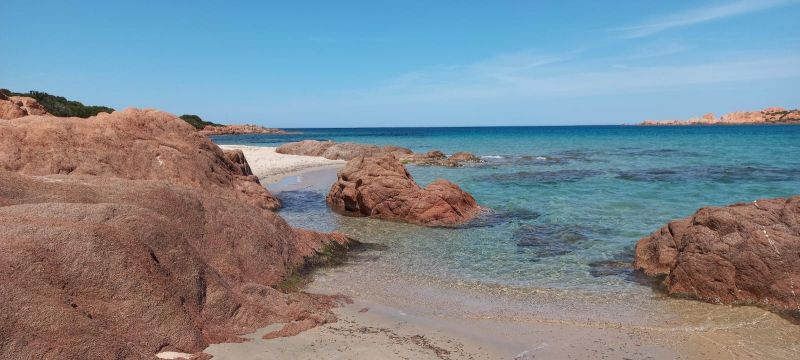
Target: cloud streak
{"points": [[527, 77], [698, 16]]}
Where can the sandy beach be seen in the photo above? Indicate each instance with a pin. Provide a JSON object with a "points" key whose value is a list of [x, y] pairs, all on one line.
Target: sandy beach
{"points": [[396, 314], [271, 166]]}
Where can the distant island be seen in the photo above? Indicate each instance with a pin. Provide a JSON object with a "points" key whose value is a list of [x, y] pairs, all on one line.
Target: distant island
{"points": [[15, 105], [770, 115]]}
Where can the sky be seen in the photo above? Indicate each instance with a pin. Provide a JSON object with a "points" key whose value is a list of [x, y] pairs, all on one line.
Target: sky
{"points": [[408, 63]]}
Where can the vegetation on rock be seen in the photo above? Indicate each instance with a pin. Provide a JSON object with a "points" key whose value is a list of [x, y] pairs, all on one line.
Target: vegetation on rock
{"points": [[60, 106], [197, 122]]}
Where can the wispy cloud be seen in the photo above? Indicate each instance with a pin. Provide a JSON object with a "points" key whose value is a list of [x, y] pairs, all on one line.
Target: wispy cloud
{"points": [[699, 15], [581, 80], [513, 77]]}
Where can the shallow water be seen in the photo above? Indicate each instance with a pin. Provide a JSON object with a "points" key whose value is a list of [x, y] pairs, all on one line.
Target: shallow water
{"points": [[569, 202]]}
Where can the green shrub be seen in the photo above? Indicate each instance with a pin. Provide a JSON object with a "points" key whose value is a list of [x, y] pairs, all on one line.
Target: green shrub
{"points": [[196, 121], [60, 106]]}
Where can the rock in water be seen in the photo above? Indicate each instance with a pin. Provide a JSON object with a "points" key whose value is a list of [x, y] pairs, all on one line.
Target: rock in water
{"points": [[129, 144], [738, 254], [337, 151], [348, 151], [380, 187]]}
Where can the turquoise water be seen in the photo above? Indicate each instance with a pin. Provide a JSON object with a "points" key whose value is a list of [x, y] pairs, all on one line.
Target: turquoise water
{"points": [[569, 202]]}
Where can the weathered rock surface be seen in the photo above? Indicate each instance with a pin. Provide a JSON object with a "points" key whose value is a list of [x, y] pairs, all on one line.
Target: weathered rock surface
{"points": [[14, 107], [771, 115], [129, 144], [348, 151], [236, 156], [742, 254], [239, 130], [438, 158], [103, 268], [129, 234], [337, 151], [380, 187]]}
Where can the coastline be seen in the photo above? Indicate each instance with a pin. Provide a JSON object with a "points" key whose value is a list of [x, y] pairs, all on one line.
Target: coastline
{"points": [[270, 166], [397, 315]]}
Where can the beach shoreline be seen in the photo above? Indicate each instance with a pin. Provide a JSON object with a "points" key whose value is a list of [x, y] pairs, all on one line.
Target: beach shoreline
{"points": [[270, 166], [396, 315]]}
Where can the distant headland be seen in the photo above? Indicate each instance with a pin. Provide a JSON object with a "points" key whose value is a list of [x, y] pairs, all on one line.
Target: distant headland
{"points": [[770, 115]]}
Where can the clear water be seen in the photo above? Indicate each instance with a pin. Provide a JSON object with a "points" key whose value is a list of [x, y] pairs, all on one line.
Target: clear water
{"points": [[570, 202]]}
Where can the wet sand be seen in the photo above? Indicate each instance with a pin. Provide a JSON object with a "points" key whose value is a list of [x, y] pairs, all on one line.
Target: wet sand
{"points": [[399, 314]]}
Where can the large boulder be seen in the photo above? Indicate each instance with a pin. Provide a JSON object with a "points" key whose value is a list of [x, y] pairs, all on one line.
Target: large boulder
{"points": [[107, 268], [129, 144], [741, 254], [381, 187], [128, 234], [13, 107]]}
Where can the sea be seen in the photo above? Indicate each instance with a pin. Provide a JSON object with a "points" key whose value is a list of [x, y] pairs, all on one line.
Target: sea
{"points": [[568, 203]]}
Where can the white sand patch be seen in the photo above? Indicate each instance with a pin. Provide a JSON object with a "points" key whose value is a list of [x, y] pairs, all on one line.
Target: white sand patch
{"points": [[266, 163], [173, 355]]}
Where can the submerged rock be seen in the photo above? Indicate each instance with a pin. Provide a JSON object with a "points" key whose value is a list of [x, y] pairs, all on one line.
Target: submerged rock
{"points": [[713, 173], [743, 253], [494, 217], [548, 240], [541, 177], [381, 187]]}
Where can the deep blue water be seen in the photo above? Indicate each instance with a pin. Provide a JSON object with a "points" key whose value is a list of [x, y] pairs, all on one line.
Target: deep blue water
{"points": [[569, 201]]}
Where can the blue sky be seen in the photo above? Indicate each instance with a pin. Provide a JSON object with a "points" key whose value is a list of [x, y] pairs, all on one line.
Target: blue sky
{"points": [[409, 63]]}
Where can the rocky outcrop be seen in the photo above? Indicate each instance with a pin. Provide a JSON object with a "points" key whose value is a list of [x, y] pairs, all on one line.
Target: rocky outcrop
{"points": [[771, 115], [129, 234], [107, 268], [380, 187], [337, 151], [236, 156], [741, 254], [348, 151], [130, 144], [13, 107], [438, 158], [240, 130]]}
